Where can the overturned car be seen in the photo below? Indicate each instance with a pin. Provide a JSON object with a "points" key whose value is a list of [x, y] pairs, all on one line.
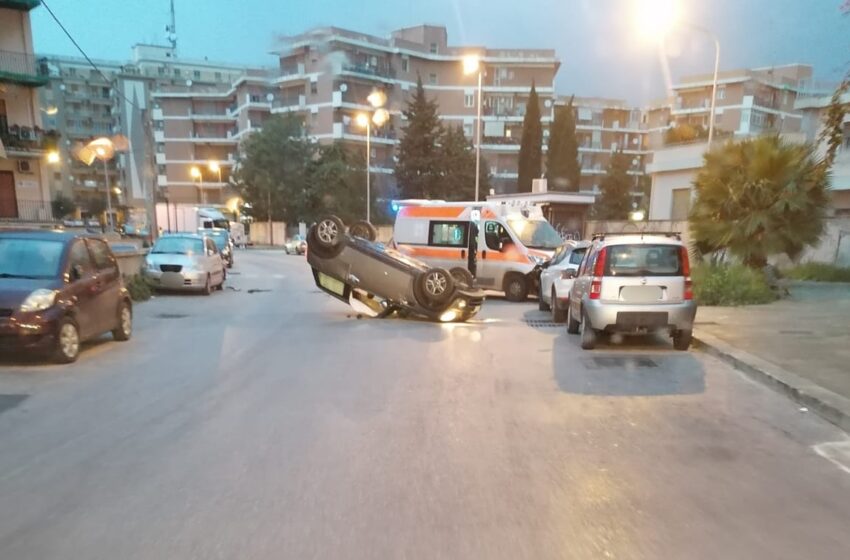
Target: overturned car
{"points": [[349, 265]]}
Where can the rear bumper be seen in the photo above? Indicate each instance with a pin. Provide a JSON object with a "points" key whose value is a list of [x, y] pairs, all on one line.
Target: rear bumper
{"points": [[618, 317]]}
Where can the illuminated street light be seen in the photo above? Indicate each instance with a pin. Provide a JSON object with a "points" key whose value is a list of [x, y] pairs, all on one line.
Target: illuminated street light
{"points": [[471, 65], [195, 172], [53, 157], [377, 98], [215, 167], [103, 149]]}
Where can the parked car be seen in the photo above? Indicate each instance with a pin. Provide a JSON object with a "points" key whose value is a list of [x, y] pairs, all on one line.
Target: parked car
{"points": [[185, 261], [296, 245], [349, 264], [57, 290], [223, 242], [556, 279], [633, 284]]}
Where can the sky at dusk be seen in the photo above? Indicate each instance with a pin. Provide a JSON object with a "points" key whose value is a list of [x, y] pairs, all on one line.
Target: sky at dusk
{"points": [[600, 52]]}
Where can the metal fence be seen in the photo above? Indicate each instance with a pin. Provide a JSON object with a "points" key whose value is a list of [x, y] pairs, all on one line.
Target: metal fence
{"points": [[27, 211], [22, 64]]}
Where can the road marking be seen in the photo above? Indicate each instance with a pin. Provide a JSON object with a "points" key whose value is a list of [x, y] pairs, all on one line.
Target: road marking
{"points": [[837, 452]]}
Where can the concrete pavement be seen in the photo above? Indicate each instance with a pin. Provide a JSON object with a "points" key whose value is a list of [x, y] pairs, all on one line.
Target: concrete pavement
{"points": [[272, 424]]}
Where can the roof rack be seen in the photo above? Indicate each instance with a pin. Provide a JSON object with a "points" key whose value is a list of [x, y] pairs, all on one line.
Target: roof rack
{"points": [[675, 234]]}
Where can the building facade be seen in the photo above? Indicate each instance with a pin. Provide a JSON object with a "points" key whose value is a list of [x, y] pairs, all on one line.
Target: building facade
{"points": [[24, 144]]}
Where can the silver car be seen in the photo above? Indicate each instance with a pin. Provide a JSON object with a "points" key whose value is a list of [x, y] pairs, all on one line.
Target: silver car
{"points": [[633, 284], [185, 262], [556, 279]]}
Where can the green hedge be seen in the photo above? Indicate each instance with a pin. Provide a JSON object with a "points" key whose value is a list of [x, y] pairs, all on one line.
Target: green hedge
{"points": [[819, 272], [730, 285], [138, 287]]}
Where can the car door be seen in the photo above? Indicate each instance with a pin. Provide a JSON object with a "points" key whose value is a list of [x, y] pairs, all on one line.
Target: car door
{"points": [[582, 281], [214, 263], [448, 243], [107, 285], [492, 265], [82, 288], [551, 272]]}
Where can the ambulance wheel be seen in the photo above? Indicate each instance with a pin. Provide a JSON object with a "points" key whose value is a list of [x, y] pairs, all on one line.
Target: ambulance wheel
{"points": [[364, 230], [516, 287], [434, 287]]}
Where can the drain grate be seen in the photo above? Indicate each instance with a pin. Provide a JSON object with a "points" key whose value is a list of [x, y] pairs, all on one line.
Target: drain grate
{"points": [[619, 362], [542, 324], [8, 402], [171, 316]]}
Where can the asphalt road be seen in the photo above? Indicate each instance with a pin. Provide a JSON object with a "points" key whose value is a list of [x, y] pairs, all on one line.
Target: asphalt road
{"points": [[273, 424]]}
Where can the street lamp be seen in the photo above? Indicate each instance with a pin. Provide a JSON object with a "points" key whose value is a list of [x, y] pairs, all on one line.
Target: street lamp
{"points": [[215, 167], [104, 150], [195, 172], [363, 120], [656, 18], [53, 157], [471, 65]]}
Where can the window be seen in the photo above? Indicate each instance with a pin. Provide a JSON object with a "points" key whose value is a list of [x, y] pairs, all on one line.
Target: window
{"points": [[643, 260], [196, 74], [218, 76], [721, 92], [314, 87], [405, 65], [588, 264], [467, 129], [432, 79], [79, 256], [103, 259], [161, 71], [577, 255], [177, 72], [469, 100], [718, 117], [448, 234], [433, 49], [30, 257], [495, 235], [680, 204], [72, 71], [104, 92]]}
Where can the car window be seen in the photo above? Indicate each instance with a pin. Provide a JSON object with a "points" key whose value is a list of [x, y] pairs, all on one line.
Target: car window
{"points": [[494, 235], [178, 246], [448, 234], [577, 255], [211, 246], [101, 255], [30, 258], [588, 263], [536, 234], [559, 256], [643, 260], [79, 256]]}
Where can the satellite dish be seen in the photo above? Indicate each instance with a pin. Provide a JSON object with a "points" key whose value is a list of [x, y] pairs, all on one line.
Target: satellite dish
{"points": [[548, 103], [188, 83], [62, 87], [343, 88], [270, 97]]}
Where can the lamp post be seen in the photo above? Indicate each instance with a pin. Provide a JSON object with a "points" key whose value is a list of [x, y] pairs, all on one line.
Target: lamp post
{"points": [[215, 167], [104, 150], [655, 18], [472, 64], [363, 120], [195, 172]]}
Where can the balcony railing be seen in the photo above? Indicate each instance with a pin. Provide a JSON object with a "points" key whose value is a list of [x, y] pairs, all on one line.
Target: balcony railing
{"points": [[383, 71], [27, 139], [28, 211], [22, 68]]}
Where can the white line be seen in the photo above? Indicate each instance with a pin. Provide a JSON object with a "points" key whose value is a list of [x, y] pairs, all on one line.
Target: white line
{"points": [[837, 452]]}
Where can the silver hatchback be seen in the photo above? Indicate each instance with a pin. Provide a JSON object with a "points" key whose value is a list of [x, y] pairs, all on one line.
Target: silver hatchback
{"points": [[633, 284]]}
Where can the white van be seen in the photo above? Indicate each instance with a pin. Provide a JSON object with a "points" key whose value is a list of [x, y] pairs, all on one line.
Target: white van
{"points": [[499, 244]]}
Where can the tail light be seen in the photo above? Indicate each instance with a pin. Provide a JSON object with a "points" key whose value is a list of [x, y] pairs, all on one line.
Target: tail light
{"points": [[598, 271], [686, 272]]}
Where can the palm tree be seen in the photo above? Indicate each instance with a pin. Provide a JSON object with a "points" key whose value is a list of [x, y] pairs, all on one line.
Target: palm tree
{"points": [[760, 197]]}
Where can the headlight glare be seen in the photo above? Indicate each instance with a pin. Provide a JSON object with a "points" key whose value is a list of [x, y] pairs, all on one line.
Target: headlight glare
{"points": [[39, 300]]}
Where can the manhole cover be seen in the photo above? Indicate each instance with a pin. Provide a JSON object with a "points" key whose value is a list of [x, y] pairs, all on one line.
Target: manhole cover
{"points": [[619, 362], [8, 402], [541, 324], [796, 332], [171, 316]]}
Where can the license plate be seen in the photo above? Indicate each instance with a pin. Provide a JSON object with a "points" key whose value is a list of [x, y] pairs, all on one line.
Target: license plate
{"points": [[331, 284], [640, 294]]}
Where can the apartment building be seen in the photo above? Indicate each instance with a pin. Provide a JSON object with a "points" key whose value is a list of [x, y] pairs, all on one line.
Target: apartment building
{"points": [[749, 102], [24, 191]]}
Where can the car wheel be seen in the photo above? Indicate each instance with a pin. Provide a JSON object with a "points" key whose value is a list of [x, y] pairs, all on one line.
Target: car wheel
{"points": [[67, 342], [541, 303], [364, 230], [435, 286], [572, 324], [125, 323], [588, 334], [516, 288], [682, 339], [329, 232], [207, 286], [462, 277], [286, 250], [558, 315], [318, 248]]}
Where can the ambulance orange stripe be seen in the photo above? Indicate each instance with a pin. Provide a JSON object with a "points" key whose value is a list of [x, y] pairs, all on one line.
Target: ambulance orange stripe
{"points": [[434, 252], [431, 211]]}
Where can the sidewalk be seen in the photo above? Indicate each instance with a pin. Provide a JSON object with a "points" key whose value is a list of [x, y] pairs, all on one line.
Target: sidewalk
{"points": [[800, 346]]}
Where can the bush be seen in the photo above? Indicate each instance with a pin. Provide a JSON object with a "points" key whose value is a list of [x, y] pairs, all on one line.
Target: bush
{"points": [[819, 272], [730, 285], [138, 287]]}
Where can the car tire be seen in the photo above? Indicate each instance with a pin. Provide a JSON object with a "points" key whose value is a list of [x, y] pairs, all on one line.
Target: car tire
{"points": [[462, 277], [318, 249], [516, 287], [329, 232], [208, 289], [588, 334], [541, 303], [124, 330], [68, 342], [682, 339], [572, 324], [558, 315], [364, 230], [434, 287]]}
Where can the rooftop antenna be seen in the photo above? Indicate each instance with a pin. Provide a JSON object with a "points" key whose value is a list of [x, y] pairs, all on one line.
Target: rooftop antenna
{"points": [[172, 29]]}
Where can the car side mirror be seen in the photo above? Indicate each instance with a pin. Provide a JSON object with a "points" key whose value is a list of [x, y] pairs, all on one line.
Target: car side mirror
{"points": [[76, 272]]}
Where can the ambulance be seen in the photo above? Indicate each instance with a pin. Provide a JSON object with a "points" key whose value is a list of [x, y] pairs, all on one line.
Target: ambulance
{"points": [[501, 245]]}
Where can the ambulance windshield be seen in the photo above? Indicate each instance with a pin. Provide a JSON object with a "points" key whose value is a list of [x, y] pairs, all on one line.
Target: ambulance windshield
{"points": [[536, 234]]}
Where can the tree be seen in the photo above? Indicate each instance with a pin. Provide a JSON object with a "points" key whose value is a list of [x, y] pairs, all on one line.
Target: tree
{"points": [[684, 132], [418, 168], [562, 166], [531, 147], [62, 206], [336, 185], [272, 169], [457, 164], [616, 198]]}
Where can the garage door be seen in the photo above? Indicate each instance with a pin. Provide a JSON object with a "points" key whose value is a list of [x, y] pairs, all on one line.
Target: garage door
{"points": [[8, 200]]}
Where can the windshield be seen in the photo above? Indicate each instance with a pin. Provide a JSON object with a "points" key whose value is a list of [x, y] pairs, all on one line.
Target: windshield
{"points": [[536, 234], [643, 260], [30, 258], [179, 246], [219, 238]]}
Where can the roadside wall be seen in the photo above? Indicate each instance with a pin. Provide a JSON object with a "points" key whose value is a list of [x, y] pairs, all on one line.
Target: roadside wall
{"points": [[260, 233]]}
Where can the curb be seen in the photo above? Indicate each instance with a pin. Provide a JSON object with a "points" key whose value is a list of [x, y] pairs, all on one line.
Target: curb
{"points": [[830, 406]]}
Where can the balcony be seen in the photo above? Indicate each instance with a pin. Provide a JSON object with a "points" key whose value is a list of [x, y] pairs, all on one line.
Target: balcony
{"points": [[379, 71], [22, 68], [25, 141]]}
